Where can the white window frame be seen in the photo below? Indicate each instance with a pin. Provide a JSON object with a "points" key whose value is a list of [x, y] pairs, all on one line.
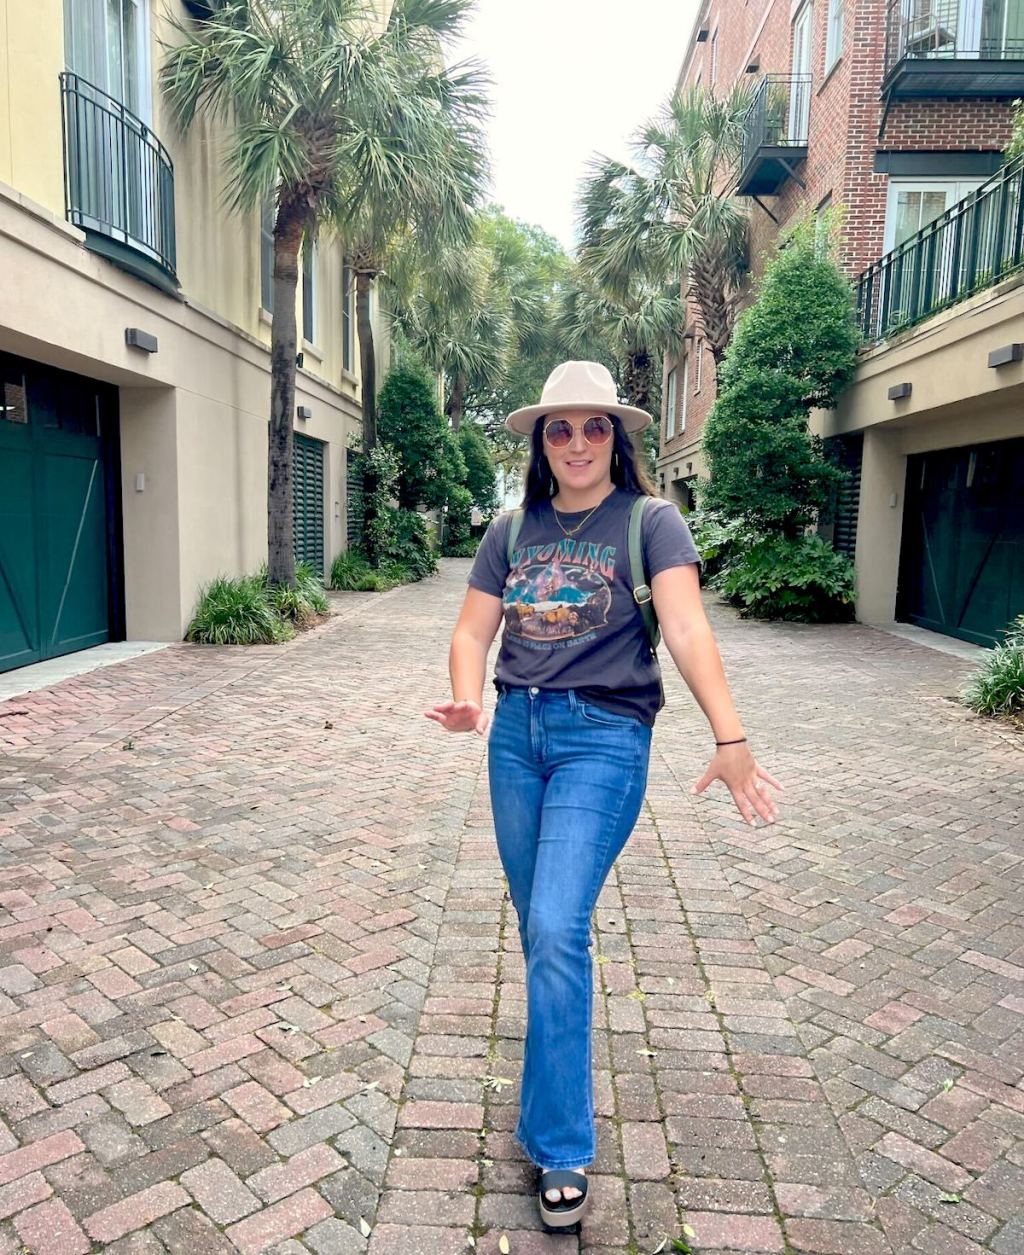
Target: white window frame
{"points": [[834, 33], [671, 403], [699, 351], [92, 15], [308, 272], [685, 406], [348, 317], [714, 58], [267, 214], [955, 189]]}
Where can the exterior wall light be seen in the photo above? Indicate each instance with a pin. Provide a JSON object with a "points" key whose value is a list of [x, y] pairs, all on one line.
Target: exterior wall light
{"points": [[136, 338], [899, 391], [303, 411], [1007, 354]]}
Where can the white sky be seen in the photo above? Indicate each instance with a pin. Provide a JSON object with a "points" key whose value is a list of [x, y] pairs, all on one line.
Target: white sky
{"points": [[569, 78]]}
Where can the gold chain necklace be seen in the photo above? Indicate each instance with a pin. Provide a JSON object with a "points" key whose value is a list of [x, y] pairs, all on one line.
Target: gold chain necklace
{"points": [[583, 522]]}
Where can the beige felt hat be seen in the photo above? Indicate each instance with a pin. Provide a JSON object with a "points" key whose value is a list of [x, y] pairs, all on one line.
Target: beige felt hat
{"points": [[578, 386]]}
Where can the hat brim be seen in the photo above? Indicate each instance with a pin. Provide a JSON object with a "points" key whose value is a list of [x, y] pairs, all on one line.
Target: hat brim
{"points": [[522, 421]]}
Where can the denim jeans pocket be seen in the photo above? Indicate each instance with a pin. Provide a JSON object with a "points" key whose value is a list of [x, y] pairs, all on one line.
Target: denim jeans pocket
{"points": [[606, 718]]}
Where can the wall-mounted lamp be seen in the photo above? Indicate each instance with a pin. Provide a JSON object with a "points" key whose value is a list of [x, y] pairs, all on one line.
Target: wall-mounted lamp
{"points": [[136, 338], [702, 35], [753, 66], [303, 411], [899, 390], [299, 359], [1007, 354]]}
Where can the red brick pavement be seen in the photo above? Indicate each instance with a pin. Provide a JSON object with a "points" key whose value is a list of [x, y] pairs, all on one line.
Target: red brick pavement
{"points": [[261, 989]]}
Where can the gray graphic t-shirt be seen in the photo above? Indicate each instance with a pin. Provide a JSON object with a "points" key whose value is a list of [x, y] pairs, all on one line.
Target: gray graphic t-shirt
{"points": [[570, 617]]}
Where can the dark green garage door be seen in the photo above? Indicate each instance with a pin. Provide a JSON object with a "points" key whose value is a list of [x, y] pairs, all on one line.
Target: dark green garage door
{"points": [[308, 496], [57, 513], [962, 561]]}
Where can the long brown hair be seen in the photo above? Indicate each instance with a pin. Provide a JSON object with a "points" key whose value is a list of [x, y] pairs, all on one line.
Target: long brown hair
{"points": [[627, 471]]}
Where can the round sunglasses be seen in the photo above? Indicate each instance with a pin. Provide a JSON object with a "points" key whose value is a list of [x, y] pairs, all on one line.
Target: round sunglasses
{"points": [[596, 430]]}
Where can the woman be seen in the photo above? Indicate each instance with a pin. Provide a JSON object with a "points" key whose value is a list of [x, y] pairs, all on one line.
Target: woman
{"points": [[578, 690]]}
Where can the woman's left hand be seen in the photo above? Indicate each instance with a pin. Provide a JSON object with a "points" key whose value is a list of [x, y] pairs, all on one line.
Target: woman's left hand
{"points": [[735, 766]]}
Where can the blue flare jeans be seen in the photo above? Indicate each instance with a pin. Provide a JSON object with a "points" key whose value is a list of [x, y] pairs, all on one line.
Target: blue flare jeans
{"points": [[567, 781]]}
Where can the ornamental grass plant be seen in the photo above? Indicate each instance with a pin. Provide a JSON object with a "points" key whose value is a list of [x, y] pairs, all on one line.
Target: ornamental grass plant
{"points": [[997, 687]]}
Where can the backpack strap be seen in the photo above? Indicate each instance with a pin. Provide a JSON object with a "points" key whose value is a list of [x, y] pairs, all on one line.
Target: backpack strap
{"points": [[642, 594], [515, 524]]}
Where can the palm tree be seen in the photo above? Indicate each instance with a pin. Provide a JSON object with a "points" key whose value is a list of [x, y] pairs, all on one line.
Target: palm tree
{"points": [[672, 211], [328, 107], [457, 314], [425, 167], [631, 331]]}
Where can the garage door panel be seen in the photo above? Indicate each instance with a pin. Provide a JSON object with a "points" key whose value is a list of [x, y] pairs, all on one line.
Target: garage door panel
{"points": [[74, 609], [57, 513], [19, 625], [963, 551]]}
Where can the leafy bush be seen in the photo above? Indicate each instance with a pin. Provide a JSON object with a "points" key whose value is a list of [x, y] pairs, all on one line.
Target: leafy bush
{"points": [[718, 539], [998, 687], [793, 349], [457, 520], [412, 549], [237, 612], [467, 549], [380, 484], [802, 580], [351, 572], [428, 456], [481, 476], [311, 585]]}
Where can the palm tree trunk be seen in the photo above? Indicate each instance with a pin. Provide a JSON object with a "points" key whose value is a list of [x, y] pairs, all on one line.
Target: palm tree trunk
{"points": [[638, 378], [456, 406], [710, 287], [288, 232], [367, 360]]}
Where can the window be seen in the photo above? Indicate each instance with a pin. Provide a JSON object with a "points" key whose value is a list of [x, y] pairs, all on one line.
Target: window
{"points": [[671, 404], [106, 42], [348, 297], [308, 291], [700, 365], [686, 391], [834, 34], [913, 203], [267, 255], [714, 57], [822, 224]]}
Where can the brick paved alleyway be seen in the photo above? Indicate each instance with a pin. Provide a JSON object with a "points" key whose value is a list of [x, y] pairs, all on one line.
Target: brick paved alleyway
{"points": [[260, 989]]}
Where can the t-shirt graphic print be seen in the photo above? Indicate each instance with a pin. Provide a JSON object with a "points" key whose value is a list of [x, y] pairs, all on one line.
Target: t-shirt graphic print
{"points": [[570, 619], [559, 592]]}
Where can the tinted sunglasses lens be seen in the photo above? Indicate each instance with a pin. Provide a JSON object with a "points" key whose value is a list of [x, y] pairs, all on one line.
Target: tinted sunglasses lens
{"points": [[597, 430], [559, 433]]}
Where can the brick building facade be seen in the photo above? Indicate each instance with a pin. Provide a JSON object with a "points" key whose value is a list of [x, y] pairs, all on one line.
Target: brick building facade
{"points": [[890, 110]]}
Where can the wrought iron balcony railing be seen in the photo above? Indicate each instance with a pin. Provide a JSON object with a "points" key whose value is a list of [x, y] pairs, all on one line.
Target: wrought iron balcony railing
{"points": [[118, 178], [954, 48], [774, 133], [974, 244]]}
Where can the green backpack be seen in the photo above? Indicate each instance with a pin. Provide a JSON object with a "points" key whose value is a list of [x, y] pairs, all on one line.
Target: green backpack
{"points": [[641, 592]]}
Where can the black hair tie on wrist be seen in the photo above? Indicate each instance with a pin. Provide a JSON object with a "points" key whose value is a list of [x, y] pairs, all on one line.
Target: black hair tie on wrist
{"points": [[741, 741]]}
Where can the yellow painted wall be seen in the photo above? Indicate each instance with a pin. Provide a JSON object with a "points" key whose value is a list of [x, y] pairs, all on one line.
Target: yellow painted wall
{"points": [[31, 59], [218, 252]]}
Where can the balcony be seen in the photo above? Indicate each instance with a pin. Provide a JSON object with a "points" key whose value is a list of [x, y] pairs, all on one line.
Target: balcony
{"points": [[954, 48], [970, 247], [774, 134], [119, 183]]}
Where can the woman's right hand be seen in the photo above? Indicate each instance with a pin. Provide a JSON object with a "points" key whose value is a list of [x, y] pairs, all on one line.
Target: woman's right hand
{"points": [[459, 716]]}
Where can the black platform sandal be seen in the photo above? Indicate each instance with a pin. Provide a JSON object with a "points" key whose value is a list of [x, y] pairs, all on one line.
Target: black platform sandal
{"points": [[565, 1215]]}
